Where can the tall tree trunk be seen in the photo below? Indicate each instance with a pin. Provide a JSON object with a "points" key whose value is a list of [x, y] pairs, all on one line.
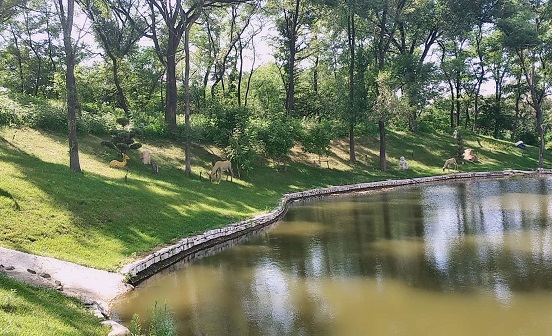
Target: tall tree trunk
{"points": [[120, 93], [480, 77], [67, 26], [248, 87], [240, 72], [188, 169], [171, 89], [352, 43], [19, 62], [383, 140], [292, 45], [516, 109], [458, 83]]}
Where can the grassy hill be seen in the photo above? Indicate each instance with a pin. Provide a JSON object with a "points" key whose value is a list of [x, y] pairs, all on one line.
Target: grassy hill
{"points": [[105, 217]]}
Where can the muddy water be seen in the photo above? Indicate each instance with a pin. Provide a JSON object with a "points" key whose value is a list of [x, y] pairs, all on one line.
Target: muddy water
{"points": [[470, 258]]}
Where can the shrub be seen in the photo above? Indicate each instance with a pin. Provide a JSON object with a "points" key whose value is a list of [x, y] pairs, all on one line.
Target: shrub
{"points": [[151, 125], [242, 151], [10, 111], [223, 121], [162, 322], [277, 137], [122, 138], [47, 117], [316, 139]]}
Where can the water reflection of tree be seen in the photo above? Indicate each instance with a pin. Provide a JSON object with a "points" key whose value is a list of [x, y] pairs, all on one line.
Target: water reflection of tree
{"points": [[469, 262]]}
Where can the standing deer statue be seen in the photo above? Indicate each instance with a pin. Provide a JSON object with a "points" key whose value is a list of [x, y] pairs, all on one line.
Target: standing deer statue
{"points": [[119, 164], [450, 162], [218, 168]]}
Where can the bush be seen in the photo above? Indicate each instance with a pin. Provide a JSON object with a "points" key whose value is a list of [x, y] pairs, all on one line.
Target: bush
{"points": [[529, 138], [151, 125], [223, 121], [242, 151], [91, 123], [47, 117], [10, 111], [316, 139], [277, 137]]}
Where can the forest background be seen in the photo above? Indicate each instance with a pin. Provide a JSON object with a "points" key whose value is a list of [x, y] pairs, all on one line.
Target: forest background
{"points": [[190, 71]]}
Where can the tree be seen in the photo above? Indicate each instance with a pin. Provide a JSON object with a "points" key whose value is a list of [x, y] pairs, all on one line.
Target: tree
{"points": [[29, 57], [66, 12], [419, 25], [8, 8], [117, 34], [292, 21], [526, 28], [385, 16], [166, 36]]}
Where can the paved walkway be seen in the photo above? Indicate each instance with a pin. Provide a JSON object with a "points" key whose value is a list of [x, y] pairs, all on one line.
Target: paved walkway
{"points": [[88, 284]]}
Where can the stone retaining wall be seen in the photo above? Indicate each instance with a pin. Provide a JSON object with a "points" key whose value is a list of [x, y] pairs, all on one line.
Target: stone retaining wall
{"points": [[190, 248]]}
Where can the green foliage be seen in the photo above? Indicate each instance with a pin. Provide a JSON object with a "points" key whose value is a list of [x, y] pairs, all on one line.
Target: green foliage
{"points": [[223, 122], [48, 117], [161, 323], [277, 137], [94, 123], [316, 139], [529, 137], [10, 112], [135, 326], [122, 138], [242, 151], [493, 119], [152, 125]]}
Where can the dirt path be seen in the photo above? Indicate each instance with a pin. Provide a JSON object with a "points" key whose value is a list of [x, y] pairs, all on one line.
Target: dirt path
{"points": [[87, 284]]}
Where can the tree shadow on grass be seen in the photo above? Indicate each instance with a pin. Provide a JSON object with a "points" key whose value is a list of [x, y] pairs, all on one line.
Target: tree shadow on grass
{"points": [[135, 216]]}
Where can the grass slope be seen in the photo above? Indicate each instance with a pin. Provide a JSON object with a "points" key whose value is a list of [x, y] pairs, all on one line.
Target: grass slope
{"points": [[30, 311], [102, 219]]}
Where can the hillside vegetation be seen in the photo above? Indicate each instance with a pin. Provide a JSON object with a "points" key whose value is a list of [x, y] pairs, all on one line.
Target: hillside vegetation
{"points": [[106, 217]]}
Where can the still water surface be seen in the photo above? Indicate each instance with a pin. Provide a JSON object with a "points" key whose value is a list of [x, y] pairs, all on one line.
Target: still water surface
{"points": [[469, 258]]}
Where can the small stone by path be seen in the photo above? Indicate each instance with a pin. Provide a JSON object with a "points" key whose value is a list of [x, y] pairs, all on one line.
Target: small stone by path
{"points": [[95, 288]]}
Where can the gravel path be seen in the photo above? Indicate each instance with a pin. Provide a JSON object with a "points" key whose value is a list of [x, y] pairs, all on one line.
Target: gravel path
{"points": [[87, 284]]}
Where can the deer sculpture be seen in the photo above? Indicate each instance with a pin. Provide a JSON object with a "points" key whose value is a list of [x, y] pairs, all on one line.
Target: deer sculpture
{"points": [[218, 168], [450, 162], [119, 164]]}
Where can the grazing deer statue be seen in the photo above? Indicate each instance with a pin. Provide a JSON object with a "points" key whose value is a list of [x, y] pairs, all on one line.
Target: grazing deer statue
{"points": [[119, 164], [450, 162], [218, 168], [155, 167]]}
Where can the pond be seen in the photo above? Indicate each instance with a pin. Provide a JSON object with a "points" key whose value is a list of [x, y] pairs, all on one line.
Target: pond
{"points": [[465, 258]]}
